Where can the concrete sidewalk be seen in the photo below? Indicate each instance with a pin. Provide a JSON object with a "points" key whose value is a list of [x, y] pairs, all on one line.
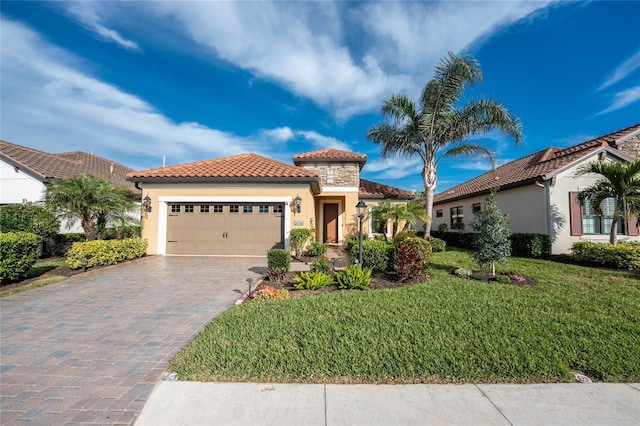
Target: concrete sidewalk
{"points": [[196, 403]]}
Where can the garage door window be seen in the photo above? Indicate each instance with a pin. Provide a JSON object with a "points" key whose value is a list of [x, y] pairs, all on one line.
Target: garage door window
{"points": [[217, 208], [247, 209], [204, 208], [188, 208], [263, 208], [234, 208], [277, 209], [175, 208]]}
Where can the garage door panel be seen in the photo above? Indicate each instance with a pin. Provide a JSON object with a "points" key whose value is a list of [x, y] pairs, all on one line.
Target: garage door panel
{"points": [[242, 229]]}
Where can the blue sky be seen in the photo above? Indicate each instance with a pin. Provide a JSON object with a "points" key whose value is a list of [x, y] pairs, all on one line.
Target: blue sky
{"points": [[133, 81]]}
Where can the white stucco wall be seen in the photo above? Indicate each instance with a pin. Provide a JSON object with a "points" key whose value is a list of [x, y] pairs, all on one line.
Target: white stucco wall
{"points": [[525, 207], [17, 187]]}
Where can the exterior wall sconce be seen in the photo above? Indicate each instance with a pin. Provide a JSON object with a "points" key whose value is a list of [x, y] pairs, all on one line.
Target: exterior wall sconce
{"points": [[146, 203], [361, 207], [297, 202]]}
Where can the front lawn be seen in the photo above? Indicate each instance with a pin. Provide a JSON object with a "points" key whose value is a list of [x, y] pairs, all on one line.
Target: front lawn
{"points": [[445, 330], [44, 272]]}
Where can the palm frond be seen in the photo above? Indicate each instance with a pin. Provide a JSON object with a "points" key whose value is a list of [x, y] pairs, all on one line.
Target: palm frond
{"points": [[401, 109], [469, 150]]}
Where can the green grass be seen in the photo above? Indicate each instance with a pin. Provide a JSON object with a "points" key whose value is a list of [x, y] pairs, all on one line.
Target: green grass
{"points": [[40, 269], [445, 330]]}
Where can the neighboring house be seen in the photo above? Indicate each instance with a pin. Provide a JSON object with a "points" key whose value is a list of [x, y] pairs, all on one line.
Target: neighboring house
{"points": [[25, 173], [247, 204], [539, 192]]}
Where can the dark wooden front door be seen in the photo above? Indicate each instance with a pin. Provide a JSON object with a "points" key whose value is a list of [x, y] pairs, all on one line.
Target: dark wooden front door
{"points": [[330, 223]]}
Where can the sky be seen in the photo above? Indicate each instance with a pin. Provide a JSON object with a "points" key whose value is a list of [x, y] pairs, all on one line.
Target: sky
{"points": [[136, 81]]}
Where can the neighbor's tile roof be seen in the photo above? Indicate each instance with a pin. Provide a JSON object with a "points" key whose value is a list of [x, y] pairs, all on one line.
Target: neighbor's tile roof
{"points": [[533, 166], [369, 189], [243, 166], [65, 165]]}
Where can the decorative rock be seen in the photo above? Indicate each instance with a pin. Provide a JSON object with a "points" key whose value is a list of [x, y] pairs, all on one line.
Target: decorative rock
{"points": [[582, 378], [170, 377]]}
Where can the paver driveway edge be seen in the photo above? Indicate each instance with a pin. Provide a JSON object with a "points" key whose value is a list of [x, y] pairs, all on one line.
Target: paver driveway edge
{"points": [[90, 349]]}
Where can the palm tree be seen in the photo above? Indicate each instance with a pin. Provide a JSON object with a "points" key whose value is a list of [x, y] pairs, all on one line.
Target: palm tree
{"points": [[398, 213], [620, 181], [87, 199], [439, 128]]}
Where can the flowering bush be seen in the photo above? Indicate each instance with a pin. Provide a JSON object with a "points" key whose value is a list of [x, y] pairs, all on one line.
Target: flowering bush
{"points": [[517, 278], [267, 292]]}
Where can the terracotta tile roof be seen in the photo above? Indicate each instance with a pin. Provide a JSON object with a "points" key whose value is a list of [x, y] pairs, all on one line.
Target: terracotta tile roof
{"points": [[237, 167], [536, 166], [369, 189], [329, 155], [47, 166]]}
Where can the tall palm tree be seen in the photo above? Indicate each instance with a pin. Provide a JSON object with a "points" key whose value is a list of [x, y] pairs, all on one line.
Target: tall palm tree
{"points": [[620, 181], [439, 128], [87, 199]]}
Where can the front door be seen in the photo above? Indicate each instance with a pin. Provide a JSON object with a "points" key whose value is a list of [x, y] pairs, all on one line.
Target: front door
{"points": [[330, 223]]}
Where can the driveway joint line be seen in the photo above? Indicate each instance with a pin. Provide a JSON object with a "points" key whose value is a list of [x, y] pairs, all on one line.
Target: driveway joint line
{"points": [[492, 403]]}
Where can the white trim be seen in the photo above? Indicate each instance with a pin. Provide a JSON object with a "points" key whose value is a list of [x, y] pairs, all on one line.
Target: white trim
{"points": [[340, 189], [612, 151], [627, 136], [163, 201], [221, 199]]}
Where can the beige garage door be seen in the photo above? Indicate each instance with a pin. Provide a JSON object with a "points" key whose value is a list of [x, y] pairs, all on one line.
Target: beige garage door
{"points": [[224, 228]]}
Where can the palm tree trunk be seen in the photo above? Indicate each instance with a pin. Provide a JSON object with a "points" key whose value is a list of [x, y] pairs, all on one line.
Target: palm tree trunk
{"points": [[613, 235], [429, 179], [89, 229]]}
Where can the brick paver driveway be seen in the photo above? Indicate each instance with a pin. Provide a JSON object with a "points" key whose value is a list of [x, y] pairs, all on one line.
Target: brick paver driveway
{"points": [[89, 349]]}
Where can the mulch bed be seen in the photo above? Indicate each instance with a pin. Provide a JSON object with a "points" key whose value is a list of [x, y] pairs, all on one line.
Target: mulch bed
{"points": [[378, 282], [488, 278]]}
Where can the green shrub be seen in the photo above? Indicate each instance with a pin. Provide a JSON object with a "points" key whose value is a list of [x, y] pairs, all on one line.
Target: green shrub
{"points": [[438, 245], [503, 279], [423, 246], [317, 249], [18, 253], [279, 259], [354, 277], [62, 242], [462, 272], [401, 236], [352, 244], [267, 292], [105, 252], [28, 218], [311, 281], [443, 227], [624, 255], [322, 264], [377, 255], [409, 262], [298, 238], [530, 245], [457, 239], [479, 276]]}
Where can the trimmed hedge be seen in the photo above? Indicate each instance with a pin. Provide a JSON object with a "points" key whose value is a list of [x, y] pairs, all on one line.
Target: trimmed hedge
{"points": [[279, 259], [105, 252], [624, 255], [438, 245], [456, 239], [530, 245], [18, 253], [376, 254]]}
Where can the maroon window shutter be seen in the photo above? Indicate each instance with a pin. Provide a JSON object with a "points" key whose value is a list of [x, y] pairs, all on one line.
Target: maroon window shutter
{"points": [[632, 226], [575, 214]]}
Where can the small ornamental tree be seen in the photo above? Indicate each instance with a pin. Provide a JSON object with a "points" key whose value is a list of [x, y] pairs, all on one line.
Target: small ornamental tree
{"points": [[298, 238], [492, 243]]}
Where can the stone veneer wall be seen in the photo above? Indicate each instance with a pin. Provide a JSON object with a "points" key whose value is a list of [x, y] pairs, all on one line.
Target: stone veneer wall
{"points": [[631, 147], [342, 175]]}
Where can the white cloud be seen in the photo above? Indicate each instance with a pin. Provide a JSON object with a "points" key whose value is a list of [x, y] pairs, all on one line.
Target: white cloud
{"points": [[623, 70], [622, 99], [51, 104], [279, 134], [321, 142], [86, 14], [318, 50], [393, 168]]}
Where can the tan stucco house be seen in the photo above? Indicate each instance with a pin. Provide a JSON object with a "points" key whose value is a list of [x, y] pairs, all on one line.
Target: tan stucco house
{"points": [[247, 204], [539, 192]]}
